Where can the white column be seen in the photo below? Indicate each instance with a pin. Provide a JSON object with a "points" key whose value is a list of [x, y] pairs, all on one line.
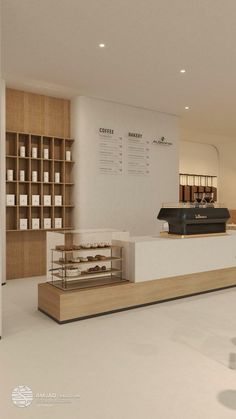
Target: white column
{"points": [[2, 194]]}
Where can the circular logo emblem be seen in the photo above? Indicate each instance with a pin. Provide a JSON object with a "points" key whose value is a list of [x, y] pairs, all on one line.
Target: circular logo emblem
{"points": [[22, 396]]}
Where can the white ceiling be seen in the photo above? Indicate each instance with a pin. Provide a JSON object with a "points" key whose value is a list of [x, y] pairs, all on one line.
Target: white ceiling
{"points": [[52, 46]]}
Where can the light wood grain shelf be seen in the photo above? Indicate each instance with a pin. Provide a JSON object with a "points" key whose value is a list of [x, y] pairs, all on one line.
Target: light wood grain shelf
{"points": [[40, 229], [57, 147]]}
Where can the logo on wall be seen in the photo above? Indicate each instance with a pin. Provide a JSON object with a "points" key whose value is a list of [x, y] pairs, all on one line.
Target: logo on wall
{"points": [[162, 141]]}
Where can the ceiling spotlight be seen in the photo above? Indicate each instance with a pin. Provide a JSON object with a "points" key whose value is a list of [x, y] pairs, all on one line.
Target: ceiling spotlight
{"points": [[187, 108], [183, 70], [102, 45]]}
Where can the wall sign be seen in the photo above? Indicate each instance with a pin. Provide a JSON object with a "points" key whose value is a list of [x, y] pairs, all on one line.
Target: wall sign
{"points": [[162, 141], [138, 154], [110, 152]]}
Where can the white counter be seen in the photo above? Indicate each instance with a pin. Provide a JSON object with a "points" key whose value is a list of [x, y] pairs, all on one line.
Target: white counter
{"points": [[147, 258]]}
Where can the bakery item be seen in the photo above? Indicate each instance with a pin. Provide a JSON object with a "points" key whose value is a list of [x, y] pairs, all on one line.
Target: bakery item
{"points": [[101, 257], [60, 247], [72, 271], [83, 259]]}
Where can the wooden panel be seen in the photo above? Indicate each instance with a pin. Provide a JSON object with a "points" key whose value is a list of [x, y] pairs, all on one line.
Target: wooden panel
{"points": [[187, 193], [49, 297], [82, 303], [34, 113], [181, 193], [14, 110], [193, 190], [57, 117], [232, 216], [43, 115], [37, 114], [26, 254]]}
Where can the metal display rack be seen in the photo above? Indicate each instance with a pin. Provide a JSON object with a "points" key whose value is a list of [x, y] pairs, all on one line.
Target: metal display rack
{"points": [[104, 269]]}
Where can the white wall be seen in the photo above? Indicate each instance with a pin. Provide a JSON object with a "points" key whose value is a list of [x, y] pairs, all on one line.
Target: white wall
{"points": [[199, 159], [227, 178], [122, 201], [226, 149], [2, 189]]}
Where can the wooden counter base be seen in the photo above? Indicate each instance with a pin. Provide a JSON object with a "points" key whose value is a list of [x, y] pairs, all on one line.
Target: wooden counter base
{"points": [[78, 304]]}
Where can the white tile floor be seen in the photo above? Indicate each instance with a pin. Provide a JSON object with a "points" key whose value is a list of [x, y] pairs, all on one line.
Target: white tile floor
{"points": [[167, 361]]}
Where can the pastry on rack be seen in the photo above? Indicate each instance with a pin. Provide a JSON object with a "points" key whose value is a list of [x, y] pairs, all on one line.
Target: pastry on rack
{"points": [[86, 246], [101, 257], [92, 258], [83, 259], [97, 269]]}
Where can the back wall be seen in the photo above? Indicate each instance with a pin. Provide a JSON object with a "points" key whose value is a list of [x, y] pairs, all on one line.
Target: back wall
{"points": [[124, 201]]}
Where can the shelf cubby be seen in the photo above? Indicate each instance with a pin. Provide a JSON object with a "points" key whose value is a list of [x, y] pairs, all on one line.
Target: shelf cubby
{"points": [[47, 166], [35, 188], [24, 164], [68, 195], [11, 218], [11, 144], [36, 167], [59, 168], [11, 188], [24, 140], [36, 142], [68, 217], [68, 172], [59, 149], [11, 164], [68, 147], [47, 143]]}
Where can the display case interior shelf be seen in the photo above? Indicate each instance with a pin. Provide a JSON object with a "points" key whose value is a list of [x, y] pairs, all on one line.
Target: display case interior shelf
{"points": [[48, 201], [77, 265]]}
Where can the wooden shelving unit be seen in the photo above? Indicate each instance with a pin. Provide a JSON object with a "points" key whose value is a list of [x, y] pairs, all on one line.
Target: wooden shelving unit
{"points": [[57, 148], [190, 184]]}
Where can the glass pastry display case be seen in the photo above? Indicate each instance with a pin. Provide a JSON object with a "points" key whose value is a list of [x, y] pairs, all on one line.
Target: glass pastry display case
{"points": [[85, 260]]}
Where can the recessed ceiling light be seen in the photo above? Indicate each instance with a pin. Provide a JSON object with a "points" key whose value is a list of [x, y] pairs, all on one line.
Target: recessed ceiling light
{"points": [[183, 70], [187, 108], [102, 45]]}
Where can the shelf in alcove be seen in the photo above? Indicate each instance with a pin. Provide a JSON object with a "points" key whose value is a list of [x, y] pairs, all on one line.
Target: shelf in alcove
{"points": [[41, 229]]}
